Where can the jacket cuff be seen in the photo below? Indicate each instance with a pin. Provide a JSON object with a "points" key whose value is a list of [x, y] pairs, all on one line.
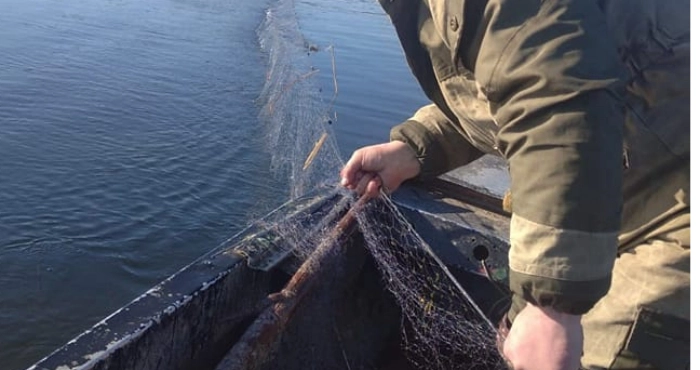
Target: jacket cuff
{"points": [[568, 270], [571, 297], [433, 160]]}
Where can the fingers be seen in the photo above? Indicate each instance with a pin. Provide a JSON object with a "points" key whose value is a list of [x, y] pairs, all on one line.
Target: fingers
{"points": [[361, 187], [363, 170], [374, 186], [353, 182], [349, 173], [367, 183]]}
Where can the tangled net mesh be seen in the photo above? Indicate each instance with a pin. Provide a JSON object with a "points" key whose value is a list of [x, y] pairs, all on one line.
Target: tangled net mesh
{"points": [[441, 326]]}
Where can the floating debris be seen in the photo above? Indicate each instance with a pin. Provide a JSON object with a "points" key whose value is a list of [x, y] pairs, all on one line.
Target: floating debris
{"points": [[315, 150]]}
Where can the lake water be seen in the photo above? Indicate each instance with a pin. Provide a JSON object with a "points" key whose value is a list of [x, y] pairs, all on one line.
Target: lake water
{"points": [[130, 142]]}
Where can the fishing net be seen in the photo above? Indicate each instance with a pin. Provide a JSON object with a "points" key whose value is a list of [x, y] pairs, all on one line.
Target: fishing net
{"points": [[441, 327], [293, 110]]}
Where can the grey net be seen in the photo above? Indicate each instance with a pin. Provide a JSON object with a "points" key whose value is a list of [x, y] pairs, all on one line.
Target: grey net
{"points": [[293, 110], [440, 326]]}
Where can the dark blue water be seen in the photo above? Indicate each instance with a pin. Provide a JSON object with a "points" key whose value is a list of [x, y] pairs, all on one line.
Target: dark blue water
{"points": [[130, 143]]}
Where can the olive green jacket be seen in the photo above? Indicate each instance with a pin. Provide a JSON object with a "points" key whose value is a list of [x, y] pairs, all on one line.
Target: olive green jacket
{"points": [[545, 84]]}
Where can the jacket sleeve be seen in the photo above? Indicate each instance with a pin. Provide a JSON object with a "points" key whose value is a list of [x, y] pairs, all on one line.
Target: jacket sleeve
{"points": [[439, 144], [553, 83]]}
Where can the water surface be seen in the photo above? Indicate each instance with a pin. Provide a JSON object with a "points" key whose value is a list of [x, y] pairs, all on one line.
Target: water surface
{"points": [[130, 143]]}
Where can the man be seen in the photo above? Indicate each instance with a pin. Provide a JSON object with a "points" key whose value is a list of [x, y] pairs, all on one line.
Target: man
{"points": [[589, 103]]}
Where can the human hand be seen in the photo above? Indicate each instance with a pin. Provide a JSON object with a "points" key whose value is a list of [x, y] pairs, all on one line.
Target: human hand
{"points": [[544, 339], [384, 165]]}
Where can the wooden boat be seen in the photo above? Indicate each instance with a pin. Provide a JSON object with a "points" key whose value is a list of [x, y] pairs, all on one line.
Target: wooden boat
{"points": [[193, 318]]}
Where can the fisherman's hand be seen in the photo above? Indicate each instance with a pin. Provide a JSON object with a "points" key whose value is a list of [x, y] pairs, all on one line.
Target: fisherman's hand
{"points": [[379, 166], [544, 339]]}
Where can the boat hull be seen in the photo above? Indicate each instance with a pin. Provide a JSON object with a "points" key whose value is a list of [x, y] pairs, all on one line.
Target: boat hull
{"points": [[192, 319]]}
